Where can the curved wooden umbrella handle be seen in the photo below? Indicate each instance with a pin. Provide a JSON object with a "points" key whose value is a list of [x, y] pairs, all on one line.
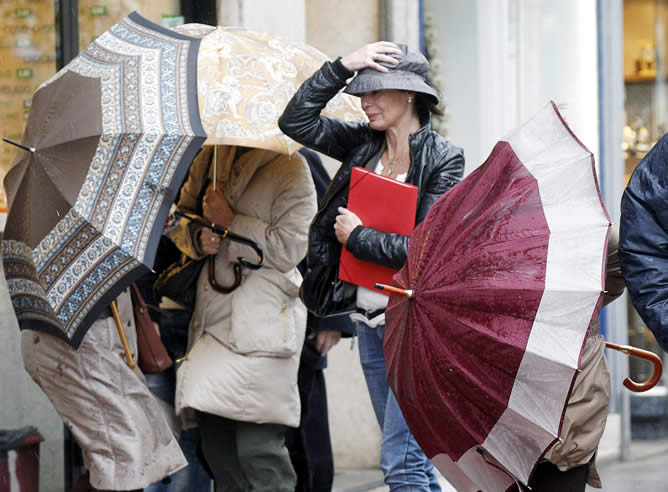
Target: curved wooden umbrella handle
{"points": [[212, 277], [642, 354]]}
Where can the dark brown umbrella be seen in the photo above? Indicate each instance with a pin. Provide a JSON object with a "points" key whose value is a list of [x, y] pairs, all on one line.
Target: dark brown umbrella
{"points": [[106, 146]]}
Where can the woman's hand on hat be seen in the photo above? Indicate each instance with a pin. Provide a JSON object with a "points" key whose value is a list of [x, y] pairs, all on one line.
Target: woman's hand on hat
{"points": [[369, 55], [345, 223]]}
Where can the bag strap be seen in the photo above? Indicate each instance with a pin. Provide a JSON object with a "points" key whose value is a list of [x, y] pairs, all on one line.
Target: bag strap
{"points": [[137, 297]]}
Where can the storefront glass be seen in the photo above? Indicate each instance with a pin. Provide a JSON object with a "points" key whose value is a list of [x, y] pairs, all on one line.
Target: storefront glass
{"points": [[28, 48], [96, 16], [28, 51]]}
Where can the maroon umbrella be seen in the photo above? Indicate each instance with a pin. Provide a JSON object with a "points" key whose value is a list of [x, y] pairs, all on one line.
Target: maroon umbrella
{"points": [[505, 274]]}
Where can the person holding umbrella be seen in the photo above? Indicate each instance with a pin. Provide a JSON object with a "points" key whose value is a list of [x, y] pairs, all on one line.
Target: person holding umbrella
{"points": [[396, 142], [126, 442], [88, 194], [239, 374], [571, 463]]}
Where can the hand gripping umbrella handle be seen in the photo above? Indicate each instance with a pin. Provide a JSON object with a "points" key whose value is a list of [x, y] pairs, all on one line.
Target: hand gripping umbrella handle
{"points": [[642, 354], [225, 233]]}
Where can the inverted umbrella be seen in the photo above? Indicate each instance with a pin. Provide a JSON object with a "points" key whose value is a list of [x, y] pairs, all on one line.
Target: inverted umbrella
{"points": [[246, 78], [107, 144], [505, 274]]}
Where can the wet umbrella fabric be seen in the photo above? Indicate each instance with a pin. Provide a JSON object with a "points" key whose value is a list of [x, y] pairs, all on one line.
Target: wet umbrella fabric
{"points": [[111, 137], [506, 274]]}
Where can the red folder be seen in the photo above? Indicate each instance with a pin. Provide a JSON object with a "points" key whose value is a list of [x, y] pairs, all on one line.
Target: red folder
{"points": [[384, 204]]}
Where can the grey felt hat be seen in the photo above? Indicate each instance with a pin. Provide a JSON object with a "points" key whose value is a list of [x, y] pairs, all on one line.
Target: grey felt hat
{"points": [[407, 75]]}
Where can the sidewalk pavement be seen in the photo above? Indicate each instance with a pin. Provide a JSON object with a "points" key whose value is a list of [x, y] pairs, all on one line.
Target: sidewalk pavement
{"points": [[350, 480], [646, 470]]}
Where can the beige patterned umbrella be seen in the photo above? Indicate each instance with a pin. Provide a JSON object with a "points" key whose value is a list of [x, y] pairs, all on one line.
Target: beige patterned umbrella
{"points": [[246, 78]]}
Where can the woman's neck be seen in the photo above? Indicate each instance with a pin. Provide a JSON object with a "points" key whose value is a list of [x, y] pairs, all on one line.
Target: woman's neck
{"points": [[396, 137]]}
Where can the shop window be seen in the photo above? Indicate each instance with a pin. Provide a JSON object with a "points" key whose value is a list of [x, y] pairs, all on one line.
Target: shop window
{"points": [[28, 53], [96, 16]]}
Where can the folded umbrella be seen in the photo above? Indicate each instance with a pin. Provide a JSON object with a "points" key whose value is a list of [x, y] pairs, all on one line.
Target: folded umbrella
{"points": [[107, 144]]}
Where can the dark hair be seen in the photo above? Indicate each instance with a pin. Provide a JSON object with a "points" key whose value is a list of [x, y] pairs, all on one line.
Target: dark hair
{"points": [[426, 105]]}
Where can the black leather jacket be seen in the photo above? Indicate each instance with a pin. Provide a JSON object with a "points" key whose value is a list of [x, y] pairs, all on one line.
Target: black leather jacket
{"points": [[435, 167]]}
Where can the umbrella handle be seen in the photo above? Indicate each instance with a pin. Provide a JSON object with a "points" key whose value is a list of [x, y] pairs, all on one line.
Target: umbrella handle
{"points": [[642, 354], [394, 290], [212, 277], [121, 333], [227, 234], [248, 242]]}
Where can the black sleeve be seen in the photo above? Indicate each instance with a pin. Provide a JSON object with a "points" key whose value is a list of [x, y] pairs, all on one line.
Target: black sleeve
{"points": [[449, 173], [384, 248], [301, 120]]}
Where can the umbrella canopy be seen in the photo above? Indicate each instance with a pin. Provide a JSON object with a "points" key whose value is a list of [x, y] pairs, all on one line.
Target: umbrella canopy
{"points": [[506, 273], [107, 144], [245, 79]]}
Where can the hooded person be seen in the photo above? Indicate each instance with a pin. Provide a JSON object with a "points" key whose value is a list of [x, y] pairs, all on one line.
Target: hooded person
{"points": [[126, 441], [240, 370]]}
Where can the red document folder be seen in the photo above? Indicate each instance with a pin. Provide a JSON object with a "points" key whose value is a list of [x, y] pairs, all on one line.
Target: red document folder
{"points": [[384, 204]]}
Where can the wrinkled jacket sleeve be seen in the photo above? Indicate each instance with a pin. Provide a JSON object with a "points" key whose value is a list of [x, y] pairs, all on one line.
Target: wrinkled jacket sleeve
{"points": [[284, 238], [389, 249], [644, 240], [184, 234], [301, 119]]}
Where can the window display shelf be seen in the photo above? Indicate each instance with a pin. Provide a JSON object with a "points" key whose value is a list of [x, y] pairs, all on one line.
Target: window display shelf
{"points": [[640, 79]]}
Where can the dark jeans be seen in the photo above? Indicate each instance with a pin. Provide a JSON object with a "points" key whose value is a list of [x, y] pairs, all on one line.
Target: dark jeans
{"points": [[310, 445], [194, 477]]}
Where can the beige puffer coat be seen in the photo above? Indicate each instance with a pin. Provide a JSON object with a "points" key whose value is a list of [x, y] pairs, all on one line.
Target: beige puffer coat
{"points": [[244, 347]]}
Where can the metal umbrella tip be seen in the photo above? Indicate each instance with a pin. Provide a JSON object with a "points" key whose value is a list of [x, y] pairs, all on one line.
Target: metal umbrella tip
{"points": [[21, 146], [395, 290]]}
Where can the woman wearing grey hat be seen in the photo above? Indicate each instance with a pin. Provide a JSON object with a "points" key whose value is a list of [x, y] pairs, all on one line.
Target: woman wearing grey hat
{"points": [[396, 142]]}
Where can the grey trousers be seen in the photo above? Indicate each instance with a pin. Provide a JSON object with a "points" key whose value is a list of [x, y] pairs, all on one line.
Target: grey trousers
{"points": [[246, 457]]}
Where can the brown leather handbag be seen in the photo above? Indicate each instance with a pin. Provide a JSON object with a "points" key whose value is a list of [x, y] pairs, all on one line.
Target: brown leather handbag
{"points": [[152, 354]]}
